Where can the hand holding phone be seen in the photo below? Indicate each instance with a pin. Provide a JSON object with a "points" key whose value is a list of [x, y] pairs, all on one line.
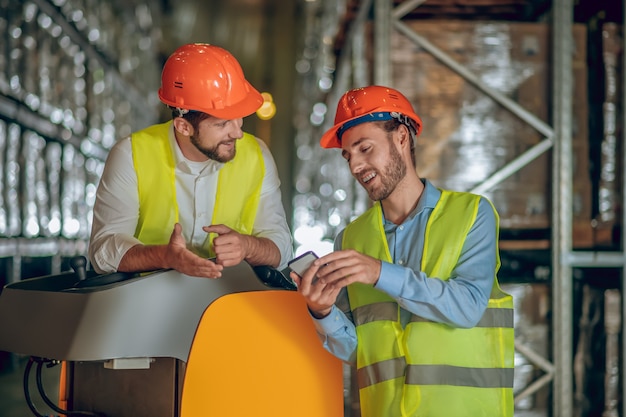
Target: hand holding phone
{"points": [[300, 264]]}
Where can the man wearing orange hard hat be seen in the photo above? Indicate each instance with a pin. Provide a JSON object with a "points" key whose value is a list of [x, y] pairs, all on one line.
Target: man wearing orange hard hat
{"points": [[195, 194], [410, 294]]}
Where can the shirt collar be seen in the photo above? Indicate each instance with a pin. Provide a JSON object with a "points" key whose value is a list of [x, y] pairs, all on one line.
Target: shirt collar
{"points": [[428, 200], [430, 197]]}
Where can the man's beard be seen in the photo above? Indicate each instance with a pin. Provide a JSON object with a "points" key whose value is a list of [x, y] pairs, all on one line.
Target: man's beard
{"points": [[213, 153], [393, 172]]}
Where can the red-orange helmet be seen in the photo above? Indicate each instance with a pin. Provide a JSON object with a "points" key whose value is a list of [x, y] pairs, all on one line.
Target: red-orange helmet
{"points": [[370, 104], [209, 79]]}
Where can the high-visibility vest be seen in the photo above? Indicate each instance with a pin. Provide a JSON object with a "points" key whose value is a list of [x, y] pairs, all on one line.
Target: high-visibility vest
{"points": [[238, 187], [430, 369]]}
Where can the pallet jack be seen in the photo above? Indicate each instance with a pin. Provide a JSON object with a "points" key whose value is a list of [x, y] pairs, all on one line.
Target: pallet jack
{"points": [[164, 344]]}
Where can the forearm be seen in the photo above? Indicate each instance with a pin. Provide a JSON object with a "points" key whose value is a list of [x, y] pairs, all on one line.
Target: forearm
{"points": [[459, 301], [262, 251], [144, 258], [174, 256]]}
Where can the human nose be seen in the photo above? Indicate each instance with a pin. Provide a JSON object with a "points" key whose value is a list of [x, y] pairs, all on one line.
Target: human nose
{"points": [[235, 131], [356, 165]]}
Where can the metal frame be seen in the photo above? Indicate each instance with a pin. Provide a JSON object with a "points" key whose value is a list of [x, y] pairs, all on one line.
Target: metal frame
{"points": [[562, 340], [621, 256], [558, 137]]}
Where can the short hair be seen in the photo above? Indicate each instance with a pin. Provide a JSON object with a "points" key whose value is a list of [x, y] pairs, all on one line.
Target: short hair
{"points": [[193, 117]]}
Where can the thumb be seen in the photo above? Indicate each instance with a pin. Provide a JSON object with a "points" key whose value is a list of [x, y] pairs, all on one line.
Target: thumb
{"points": [[220, 229], [177, 233]]}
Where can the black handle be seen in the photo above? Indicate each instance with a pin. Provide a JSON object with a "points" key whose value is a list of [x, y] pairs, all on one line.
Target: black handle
{"points": [[272, 277], [79, 265]]}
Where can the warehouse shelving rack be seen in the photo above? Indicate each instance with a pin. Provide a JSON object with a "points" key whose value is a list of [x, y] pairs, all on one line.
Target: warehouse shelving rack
{"points": [[14, 249]]}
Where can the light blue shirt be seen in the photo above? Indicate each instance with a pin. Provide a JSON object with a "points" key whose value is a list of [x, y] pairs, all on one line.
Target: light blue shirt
{"points": [[459, 301]]}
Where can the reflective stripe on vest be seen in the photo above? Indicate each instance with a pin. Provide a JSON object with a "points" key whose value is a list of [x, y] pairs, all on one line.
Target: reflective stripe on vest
{"points": [[493, 317], [238, 187], [434, 375], [430, 369]]}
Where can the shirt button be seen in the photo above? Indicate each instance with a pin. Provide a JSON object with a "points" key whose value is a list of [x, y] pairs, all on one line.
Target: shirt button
{"points": [[401, 228], [401, 262]]}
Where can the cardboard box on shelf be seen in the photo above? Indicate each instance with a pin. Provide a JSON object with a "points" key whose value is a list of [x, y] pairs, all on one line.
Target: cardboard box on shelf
{"points": [[608, 220], [467, 136]]}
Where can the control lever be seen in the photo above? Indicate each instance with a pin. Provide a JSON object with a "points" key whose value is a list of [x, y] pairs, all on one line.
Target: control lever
{"points": [[274, 278], [79, 265]]}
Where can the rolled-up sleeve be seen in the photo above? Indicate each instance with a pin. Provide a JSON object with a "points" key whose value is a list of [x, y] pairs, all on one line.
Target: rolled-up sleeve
{"points": [[116, 210], [271, 221]]}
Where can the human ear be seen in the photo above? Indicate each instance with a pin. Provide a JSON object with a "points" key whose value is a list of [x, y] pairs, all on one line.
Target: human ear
{"points": [[183, 126], [404, 136]]}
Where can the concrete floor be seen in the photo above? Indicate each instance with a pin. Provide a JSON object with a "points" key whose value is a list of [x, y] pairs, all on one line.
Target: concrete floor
{"points": [[12, 400]]}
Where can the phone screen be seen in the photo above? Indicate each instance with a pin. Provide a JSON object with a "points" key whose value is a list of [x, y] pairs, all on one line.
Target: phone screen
{"points": [[300, 264]]}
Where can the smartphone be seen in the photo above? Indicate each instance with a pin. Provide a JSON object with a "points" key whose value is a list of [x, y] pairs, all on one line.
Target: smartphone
{"points": [[301, 263]]}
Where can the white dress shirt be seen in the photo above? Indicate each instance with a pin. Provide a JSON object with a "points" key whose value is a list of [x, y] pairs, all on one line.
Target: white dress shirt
{"points": [[116, 209]]}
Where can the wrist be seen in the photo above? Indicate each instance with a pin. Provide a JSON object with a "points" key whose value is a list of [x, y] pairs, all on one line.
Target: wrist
{"points": [[320, 314], [248, 247]]}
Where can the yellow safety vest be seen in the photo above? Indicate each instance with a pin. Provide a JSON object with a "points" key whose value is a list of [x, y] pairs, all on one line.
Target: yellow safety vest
{"points": [[430, 369], [238, 187]]}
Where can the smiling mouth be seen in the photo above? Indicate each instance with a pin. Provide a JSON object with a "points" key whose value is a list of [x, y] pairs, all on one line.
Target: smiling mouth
{"points": [[368, 177], [229, 144]]}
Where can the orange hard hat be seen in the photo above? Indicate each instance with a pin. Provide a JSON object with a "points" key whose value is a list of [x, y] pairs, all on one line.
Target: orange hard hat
{"points": [[209, 79], [370, 104]]}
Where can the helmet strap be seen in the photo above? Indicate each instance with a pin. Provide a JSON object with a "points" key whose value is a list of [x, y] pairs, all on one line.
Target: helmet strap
{"points": [[179, 112], [410, 124], [402, 118], [413, 136]]}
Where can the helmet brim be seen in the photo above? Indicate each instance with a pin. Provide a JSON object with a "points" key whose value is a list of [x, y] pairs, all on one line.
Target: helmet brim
{"points": [[330, 139], [250, 104]]}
